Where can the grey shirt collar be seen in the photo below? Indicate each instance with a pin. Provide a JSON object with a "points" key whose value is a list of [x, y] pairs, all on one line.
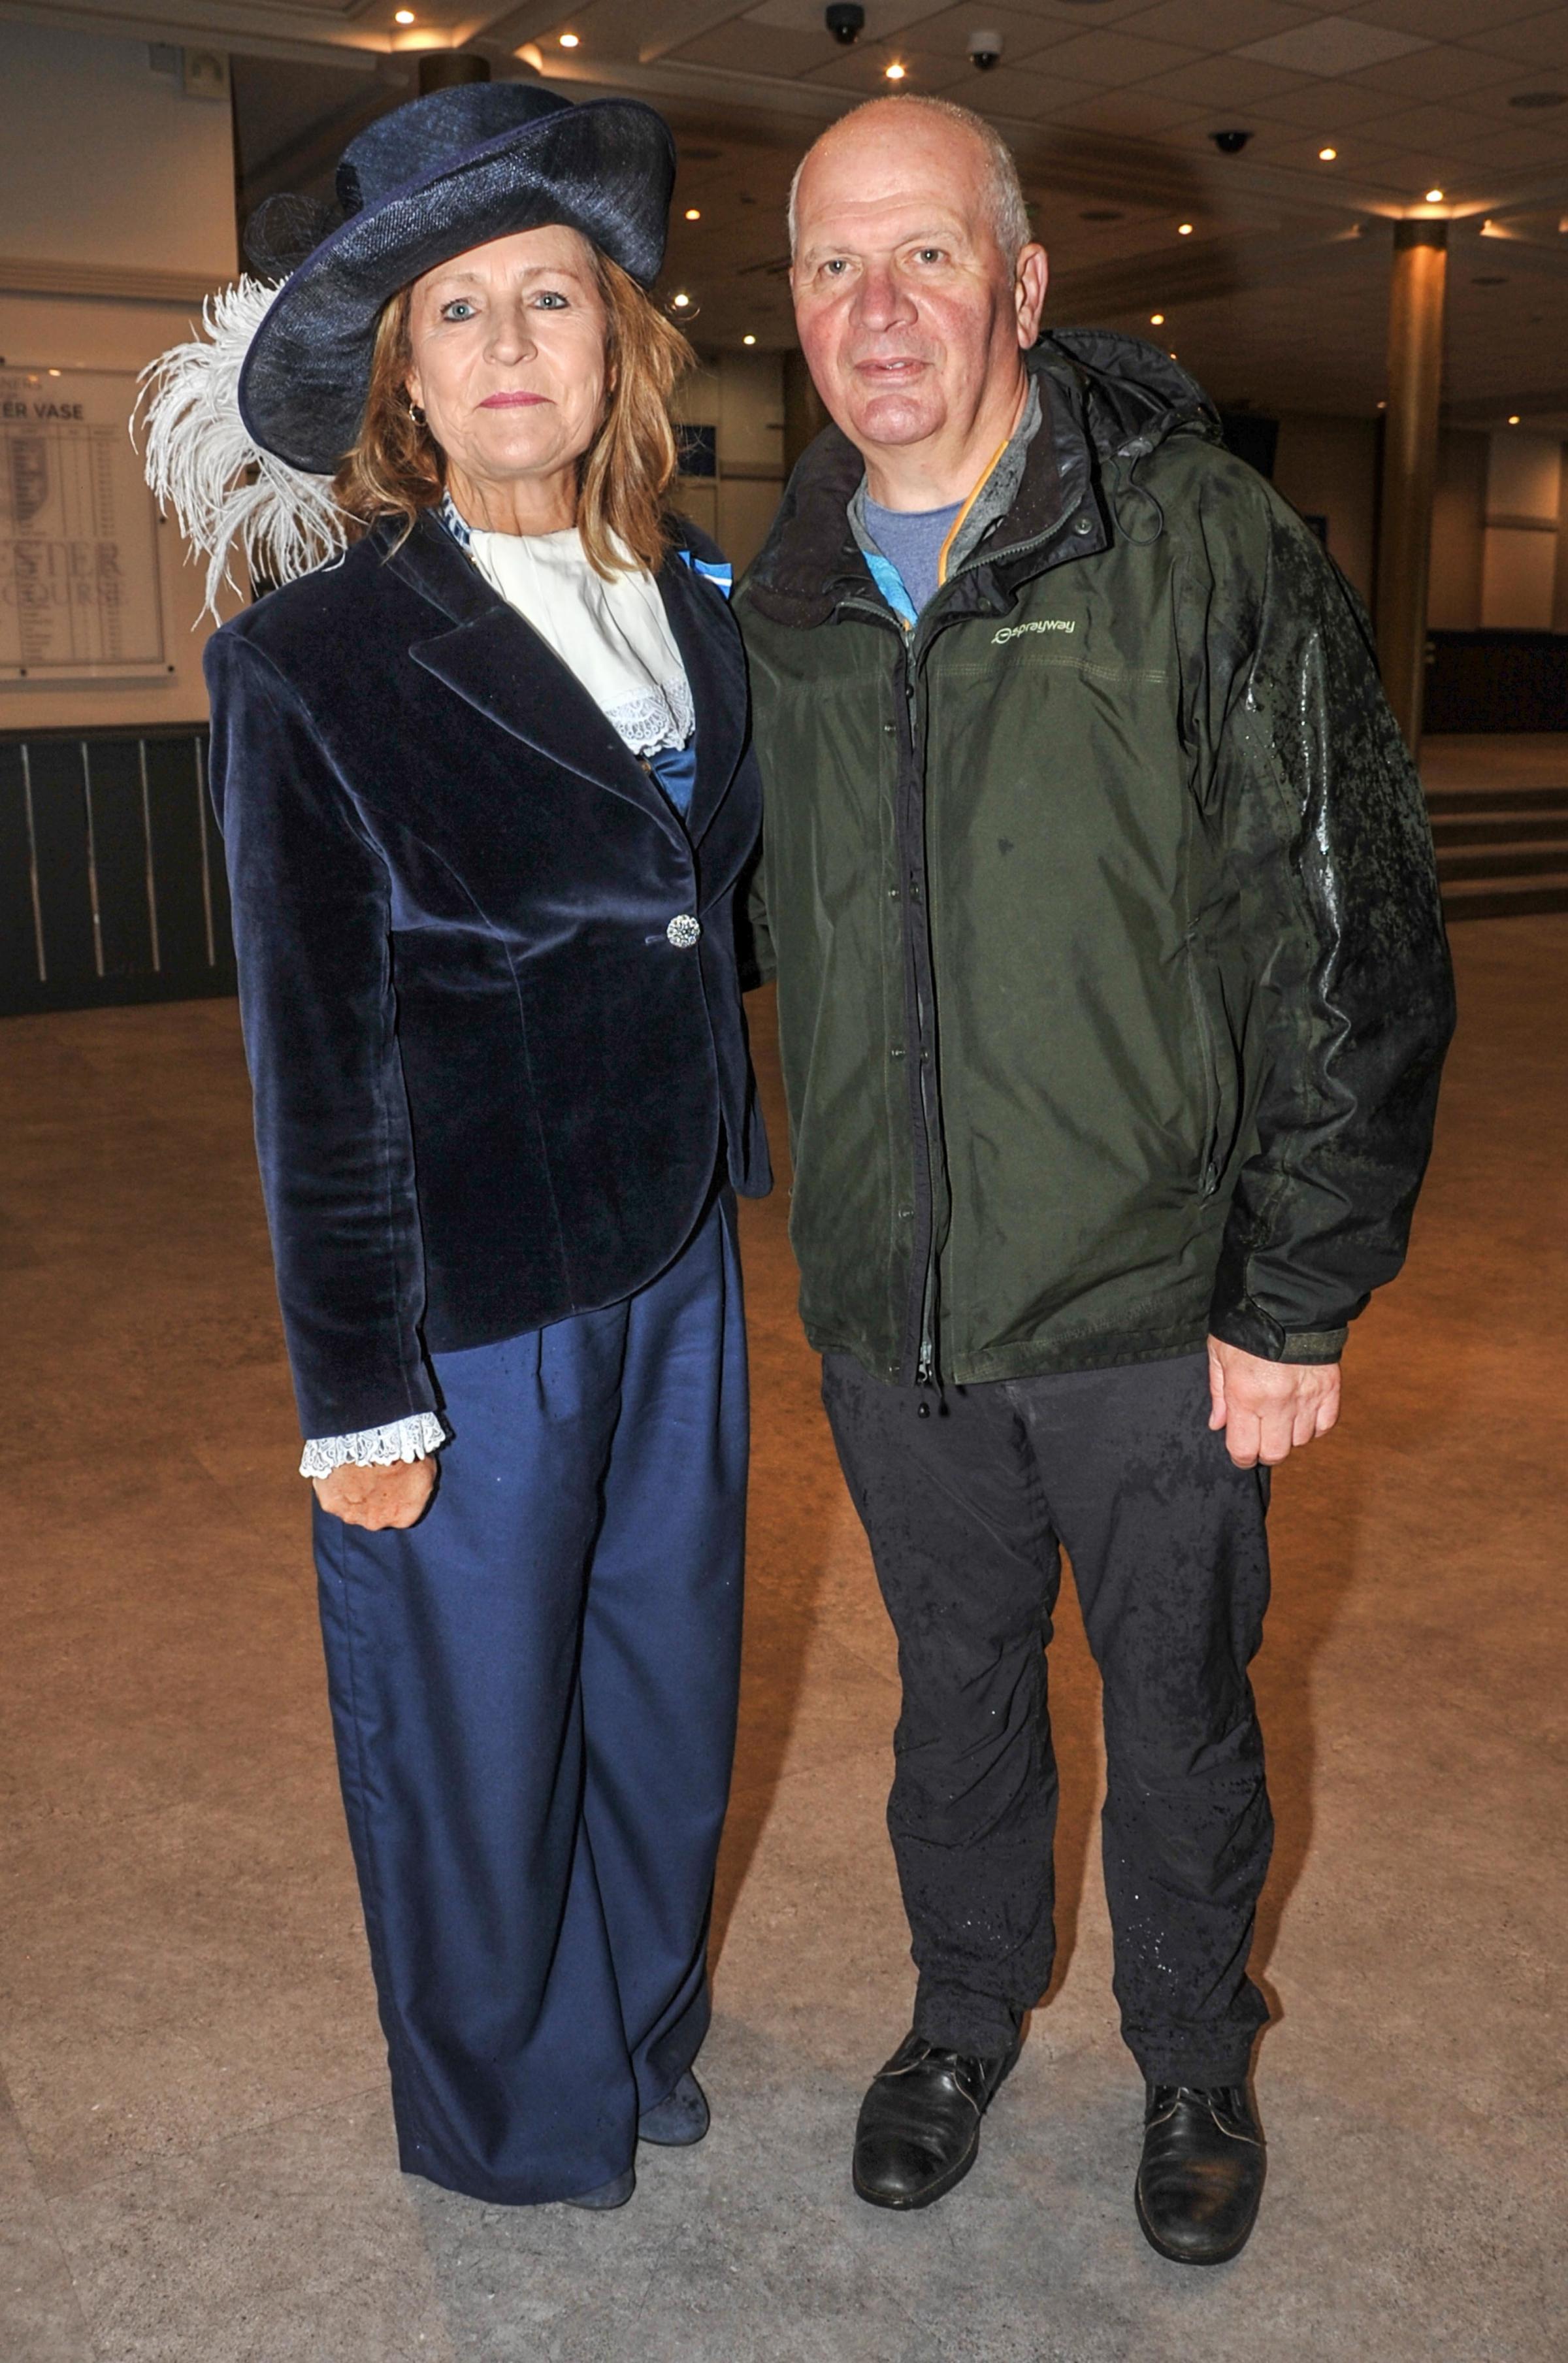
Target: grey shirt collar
{"points": [[996, 498]]}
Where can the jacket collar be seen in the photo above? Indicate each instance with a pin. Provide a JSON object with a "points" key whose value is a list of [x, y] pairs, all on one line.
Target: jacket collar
{"points": [[491, 658], [813, 561]]}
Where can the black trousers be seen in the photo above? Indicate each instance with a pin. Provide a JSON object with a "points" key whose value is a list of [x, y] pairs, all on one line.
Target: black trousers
{"points": [[966, 1508]]}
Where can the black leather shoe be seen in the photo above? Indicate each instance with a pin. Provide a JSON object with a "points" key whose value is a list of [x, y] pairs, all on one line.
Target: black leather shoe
{"points": [[919, 2123], [1201, 2174]]}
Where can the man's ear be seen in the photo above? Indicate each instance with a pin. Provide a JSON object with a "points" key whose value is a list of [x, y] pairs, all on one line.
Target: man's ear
{"points": [[1030, 283]]}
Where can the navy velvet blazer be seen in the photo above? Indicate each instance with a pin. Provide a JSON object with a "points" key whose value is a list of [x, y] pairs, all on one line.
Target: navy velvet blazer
{"points": [[490, 1089]]}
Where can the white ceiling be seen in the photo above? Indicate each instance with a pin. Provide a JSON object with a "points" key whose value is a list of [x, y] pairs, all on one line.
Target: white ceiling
{"points": [[1277, 296]]}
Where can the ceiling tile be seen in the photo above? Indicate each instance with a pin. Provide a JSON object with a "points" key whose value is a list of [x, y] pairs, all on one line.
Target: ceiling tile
{"points": [[886, 16], [1023, 36], [861, 70], [1071, 14], [1447, 20], [1030, 93], [1495, 101], [1446, 131], [753, 48], [1217, 24], [1321, 106], [1230, 83], [1539, 40], [1445, 71], [1127, 114], [1114, 57], [1518, 152], [1331, 45]]}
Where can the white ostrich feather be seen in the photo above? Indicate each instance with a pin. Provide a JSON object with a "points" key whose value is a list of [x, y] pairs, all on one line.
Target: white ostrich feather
{"points": [[228, 494]]}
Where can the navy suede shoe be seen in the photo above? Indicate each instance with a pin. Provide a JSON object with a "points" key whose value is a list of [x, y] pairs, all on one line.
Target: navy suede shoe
{"points": [[679, 2118], [608, 2194]]}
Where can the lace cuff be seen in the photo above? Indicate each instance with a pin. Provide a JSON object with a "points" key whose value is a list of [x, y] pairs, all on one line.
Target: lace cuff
{"points": [[374, 1447]]}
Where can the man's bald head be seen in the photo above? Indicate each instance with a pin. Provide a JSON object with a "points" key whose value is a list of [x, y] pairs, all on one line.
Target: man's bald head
{"points": [[917, 287], [939, 121]]}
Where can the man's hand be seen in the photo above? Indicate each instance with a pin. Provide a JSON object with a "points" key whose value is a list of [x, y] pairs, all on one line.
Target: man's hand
{"points": [[375, 1498], [1266, 1408]]}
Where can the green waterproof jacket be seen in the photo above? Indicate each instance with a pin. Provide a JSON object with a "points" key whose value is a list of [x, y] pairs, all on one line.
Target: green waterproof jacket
{"points": [[1112, 983]]}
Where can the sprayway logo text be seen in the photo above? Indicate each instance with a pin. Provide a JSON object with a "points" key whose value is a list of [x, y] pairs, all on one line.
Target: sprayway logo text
{"points": [[1041, 624]]}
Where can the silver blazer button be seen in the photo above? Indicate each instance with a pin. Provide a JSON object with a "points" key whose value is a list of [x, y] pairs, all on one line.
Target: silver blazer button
{"points": [[683, 930]]}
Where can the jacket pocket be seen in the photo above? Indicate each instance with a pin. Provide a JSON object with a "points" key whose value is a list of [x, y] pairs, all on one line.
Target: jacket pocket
{"points": [[1217, 1074]]}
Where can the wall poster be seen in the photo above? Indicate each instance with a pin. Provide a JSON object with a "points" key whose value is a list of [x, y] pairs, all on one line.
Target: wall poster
{"points": [[79, 594]]}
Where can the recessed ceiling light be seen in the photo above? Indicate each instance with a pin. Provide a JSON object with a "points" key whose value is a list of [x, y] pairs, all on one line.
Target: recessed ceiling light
{"points": [[1184, 229], [1540, 98], [1327, 155], [1157, 319], [1103, 213], [1513, 418], [680, 302], [693, 213], [748, 340], [54, 373], [1434, 196], [895, 73], [570, 42], [1383, 406], [404, 16]]}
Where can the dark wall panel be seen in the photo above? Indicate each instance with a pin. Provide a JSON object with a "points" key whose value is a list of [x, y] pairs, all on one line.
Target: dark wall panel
{"points": [[119, 857], [129, 869], [65, 886], [18, 938]]}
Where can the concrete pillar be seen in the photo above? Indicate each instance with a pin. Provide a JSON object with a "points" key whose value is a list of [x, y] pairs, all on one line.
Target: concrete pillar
{"points": [[1409, 464], [448, 68], [804, 416]]}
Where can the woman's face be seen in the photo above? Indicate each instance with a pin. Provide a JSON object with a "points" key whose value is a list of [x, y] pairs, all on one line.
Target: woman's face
{"points": [[508, 356]]}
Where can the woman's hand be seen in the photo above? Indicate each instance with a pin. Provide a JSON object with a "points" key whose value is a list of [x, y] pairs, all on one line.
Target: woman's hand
{"points": [[376, 1498]]}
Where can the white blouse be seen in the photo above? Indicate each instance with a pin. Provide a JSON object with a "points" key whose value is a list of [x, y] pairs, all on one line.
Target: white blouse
{"points": [[612, 633], [614, 636]]}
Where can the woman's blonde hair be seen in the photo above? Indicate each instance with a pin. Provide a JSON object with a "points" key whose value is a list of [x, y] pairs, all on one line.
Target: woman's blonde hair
{"points": [[397, 468]]}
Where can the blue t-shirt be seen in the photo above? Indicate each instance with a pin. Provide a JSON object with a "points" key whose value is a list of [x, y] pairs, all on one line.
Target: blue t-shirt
{"points": [[912, 539]]}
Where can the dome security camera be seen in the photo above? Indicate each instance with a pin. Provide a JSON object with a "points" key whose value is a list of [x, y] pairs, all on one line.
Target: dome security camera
{"points": [[985, 47], [1230, 143], [846, 20]]}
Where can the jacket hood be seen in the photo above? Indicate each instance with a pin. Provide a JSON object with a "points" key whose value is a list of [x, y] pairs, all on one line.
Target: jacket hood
{"points": [[1126, 391]]}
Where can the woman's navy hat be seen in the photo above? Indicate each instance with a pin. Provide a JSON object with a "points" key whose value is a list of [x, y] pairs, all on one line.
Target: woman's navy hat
{"points": [[427, 182]]}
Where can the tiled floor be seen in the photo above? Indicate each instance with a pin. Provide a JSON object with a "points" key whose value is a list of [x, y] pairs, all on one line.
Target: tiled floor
{"points": [[195, 2155]]}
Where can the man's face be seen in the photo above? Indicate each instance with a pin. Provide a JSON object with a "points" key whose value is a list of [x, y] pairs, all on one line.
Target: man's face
{"points": [[908, 312]]}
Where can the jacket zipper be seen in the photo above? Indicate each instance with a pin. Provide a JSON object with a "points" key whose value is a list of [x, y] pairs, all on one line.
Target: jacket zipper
{"points": [[909, 838], [920, 1328]]}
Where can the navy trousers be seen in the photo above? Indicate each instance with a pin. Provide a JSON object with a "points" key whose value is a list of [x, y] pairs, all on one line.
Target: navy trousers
{"points": [[534, 1699]]}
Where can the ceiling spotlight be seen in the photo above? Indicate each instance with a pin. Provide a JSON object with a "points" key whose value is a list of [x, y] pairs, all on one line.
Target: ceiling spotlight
{"points": [[404, 16], [895, 73], [680, 302], [1184, 229], [1157, 319], [1383, 406], [693, 213], [1434, 196], [1327, 155], [570, 42], [748, 340], [1513, 418]]}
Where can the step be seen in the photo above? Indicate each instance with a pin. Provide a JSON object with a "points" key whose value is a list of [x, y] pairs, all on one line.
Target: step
{"points": [[1494, 800], [1540, 861], [1493, 901], [1535, 830]]}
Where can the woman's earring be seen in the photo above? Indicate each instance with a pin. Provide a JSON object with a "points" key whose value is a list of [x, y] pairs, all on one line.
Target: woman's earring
{"points": [[414, 412]]}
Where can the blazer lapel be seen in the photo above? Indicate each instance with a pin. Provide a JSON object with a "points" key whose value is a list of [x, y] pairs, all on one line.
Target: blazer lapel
{"points": [[710, 644], [491, 658]]}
